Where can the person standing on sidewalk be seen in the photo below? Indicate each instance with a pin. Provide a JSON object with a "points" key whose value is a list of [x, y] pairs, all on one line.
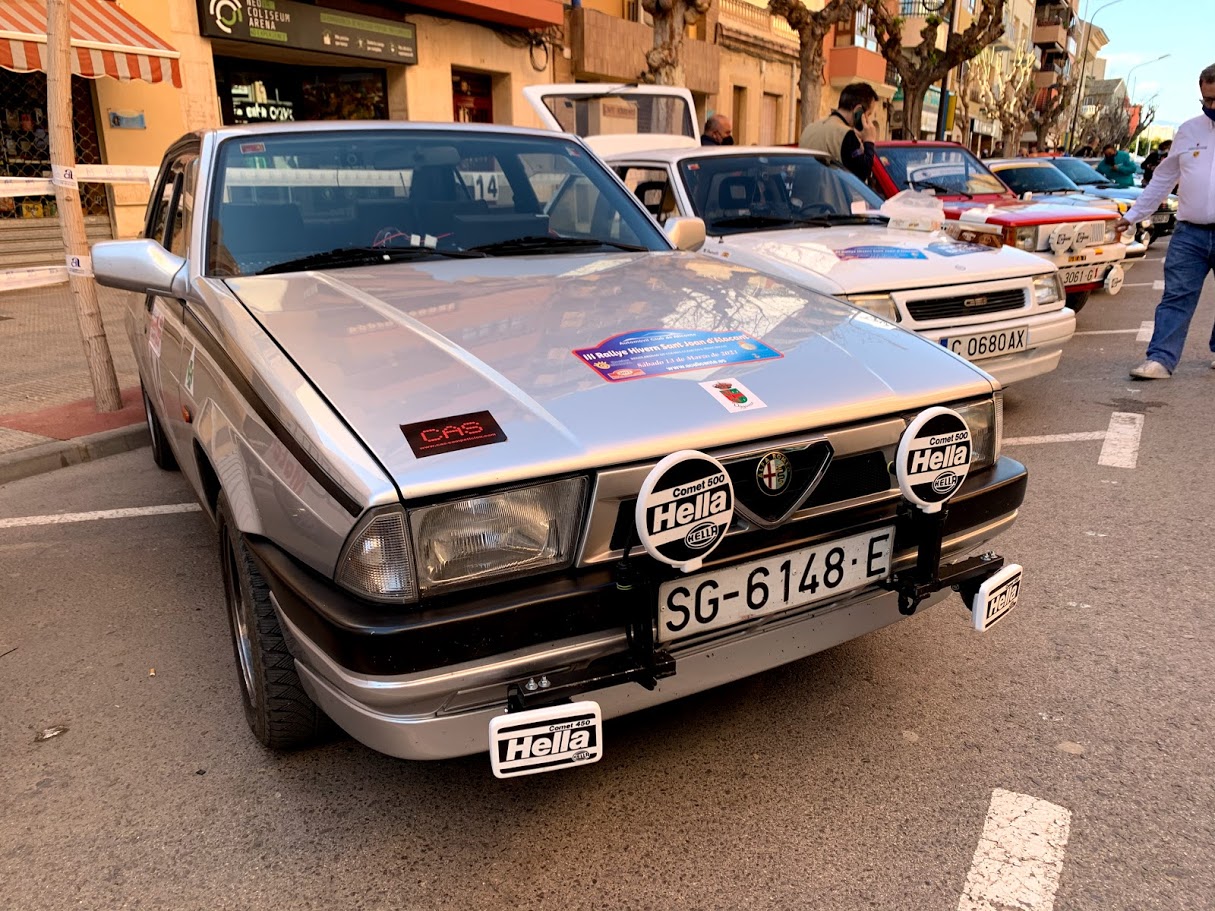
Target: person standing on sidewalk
{"points": [[1116, 166], [1152, 162], [1191, 255], [718, 131], [847, 134]]}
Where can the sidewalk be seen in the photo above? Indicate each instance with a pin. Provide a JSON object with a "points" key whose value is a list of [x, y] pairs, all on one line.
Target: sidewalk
{"points": [[47, 415]]}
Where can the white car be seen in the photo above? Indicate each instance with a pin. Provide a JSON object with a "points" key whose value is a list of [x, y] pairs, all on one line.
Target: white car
{"points": [[790, 213]]}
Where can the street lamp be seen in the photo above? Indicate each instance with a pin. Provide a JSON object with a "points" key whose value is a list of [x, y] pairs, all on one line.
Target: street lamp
{"points": [[1088, 28], [1131, 92]]}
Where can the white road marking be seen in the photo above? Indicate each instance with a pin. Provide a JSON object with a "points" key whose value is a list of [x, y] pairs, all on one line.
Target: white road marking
{"points": [[1056, 438], [1019, 857], [1158, 285], [1121, 447], [127, 513], [1106, 332], [1137, 284], [1145, 331]]}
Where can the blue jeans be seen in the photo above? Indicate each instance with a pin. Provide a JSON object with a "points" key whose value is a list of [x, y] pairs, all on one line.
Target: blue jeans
{"points": [[1191, 256]]}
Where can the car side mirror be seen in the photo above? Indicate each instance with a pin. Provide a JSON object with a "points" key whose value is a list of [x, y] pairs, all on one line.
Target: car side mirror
{"points": [[139, 265], [685, 232], [1027, 195]]}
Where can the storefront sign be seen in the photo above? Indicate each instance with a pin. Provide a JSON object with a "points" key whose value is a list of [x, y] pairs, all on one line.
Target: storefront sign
{"points": [[300, 27]]}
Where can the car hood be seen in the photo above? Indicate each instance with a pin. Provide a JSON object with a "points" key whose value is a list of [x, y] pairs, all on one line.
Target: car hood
{"points": [[398, 344], [869, 258], [1018, 212]]}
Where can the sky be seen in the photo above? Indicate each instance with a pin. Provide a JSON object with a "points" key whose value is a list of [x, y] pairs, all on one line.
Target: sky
{"points": [[1142, 30]]}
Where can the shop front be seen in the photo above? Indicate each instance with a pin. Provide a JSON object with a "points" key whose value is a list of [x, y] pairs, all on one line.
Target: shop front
{"points": [[278, 61], [107, 43]]}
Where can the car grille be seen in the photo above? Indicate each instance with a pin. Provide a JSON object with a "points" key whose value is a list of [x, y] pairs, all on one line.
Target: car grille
{"points": [[846, 479], [972, 304]]}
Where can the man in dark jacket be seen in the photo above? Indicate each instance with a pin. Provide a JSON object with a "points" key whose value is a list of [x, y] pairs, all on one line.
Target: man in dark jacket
{"points": [[1154, 158], [718, 131]]}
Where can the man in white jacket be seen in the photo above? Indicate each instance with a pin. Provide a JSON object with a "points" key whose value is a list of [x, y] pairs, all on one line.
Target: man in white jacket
{"points": [[1191, 166]]}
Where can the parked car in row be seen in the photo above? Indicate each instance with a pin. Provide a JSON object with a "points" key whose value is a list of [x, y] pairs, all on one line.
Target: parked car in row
{"points": [[1082, 242], [1092, 181], [1038, 178], [479, 439], [790, 213]]}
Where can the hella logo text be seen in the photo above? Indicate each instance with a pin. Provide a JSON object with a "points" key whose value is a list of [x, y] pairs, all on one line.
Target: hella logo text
{"points": [[945, 482], [701, 536]]}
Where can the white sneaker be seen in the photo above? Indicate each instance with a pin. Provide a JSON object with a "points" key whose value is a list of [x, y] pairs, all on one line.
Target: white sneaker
{"points": [[1153, 370]]}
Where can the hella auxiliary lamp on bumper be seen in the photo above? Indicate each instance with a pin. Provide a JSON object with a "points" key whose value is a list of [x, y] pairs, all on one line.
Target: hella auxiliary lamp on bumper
{"points": [[682, 514]]}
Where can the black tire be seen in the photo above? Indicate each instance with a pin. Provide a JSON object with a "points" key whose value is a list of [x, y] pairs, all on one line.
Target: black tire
{"points": [[162, 454], [279, 712], [1077, 299]]}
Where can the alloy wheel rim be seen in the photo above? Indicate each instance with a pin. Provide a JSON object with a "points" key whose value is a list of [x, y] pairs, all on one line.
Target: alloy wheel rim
{"points": [[240, 627]]}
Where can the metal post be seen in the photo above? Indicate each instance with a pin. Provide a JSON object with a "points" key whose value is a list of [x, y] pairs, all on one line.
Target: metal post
{"points": [[943, 104]]}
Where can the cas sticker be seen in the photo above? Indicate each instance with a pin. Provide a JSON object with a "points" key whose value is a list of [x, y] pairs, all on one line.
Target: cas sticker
{"points": [[684, 509], [733, 395], [933, 458], [449, 434]]}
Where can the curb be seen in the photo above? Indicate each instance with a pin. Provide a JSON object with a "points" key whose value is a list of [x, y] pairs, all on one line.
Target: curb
{"points": [[46, 457]]}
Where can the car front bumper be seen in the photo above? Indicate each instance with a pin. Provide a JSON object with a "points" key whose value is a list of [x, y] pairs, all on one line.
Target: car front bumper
{"points": [[389, 679], [1048, 333]]}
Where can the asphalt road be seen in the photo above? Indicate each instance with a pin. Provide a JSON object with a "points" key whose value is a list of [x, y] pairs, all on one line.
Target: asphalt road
{"points": [[859, 778]]}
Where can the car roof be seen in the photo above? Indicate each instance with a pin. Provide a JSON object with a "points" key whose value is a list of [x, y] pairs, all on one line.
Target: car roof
{"points": [[356, 126], [1027, 162], [672, 156]]}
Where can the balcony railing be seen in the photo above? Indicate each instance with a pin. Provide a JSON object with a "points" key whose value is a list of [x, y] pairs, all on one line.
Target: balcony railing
{"points": [[756, 17], [918, 9]]}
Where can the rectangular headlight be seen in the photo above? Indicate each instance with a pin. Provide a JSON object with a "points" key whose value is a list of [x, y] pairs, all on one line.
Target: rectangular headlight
{"points": [[985, 419], [1022, 238], [497, 535], [1048, 289], [880, 304]]}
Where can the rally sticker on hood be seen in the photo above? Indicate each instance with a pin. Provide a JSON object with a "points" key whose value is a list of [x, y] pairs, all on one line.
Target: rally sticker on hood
{"points": [[877, 251], [448, 434], [684, 509], [659, 352], [957, 248]]}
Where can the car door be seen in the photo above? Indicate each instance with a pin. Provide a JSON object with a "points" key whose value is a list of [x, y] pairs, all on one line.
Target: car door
{"points": [[168, 367]]}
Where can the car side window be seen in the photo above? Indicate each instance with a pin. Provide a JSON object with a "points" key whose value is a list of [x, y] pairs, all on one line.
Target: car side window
{"points": [[652, 186], [161, 202], [185, 171]]}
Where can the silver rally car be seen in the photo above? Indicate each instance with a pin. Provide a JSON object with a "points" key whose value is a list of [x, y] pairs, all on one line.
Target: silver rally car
{"points": [[491, 459]]}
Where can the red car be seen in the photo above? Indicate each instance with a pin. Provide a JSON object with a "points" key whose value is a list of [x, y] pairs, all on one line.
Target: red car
{"points": [[1082, 242]]}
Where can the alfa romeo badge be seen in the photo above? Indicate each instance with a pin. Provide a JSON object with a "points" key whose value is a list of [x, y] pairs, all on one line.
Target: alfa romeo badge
{"points": [[773, 473]]}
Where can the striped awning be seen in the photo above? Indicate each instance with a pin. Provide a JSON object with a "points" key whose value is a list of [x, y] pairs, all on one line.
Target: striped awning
{"points": [[105, 42]]}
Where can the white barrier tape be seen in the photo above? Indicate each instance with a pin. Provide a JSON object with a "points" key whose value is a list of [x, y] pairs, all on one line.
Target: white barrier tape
{"points": [[12, 187], [62, 176], [21, 279], [79, 265]]}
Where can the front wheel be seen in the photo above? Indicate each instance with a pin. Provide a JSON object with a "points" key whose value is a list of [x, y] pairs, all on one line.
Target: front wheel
{"points": [[162, 455], [279, 712], [1077, 299]]}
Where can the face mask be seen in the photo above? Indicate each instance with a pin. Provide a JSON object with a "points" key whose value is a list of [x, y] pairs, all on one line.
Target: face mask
{"points": [[728, 141], [1110, 157], [1210, 112]]}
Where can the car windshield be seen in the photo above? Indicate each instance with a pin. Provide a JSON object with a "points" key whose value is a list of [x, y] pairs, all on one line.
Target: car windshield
{"points": [[1036, 179], [749, 192], [1080, 172], [338, 198], [619, 110], [945, 170]]}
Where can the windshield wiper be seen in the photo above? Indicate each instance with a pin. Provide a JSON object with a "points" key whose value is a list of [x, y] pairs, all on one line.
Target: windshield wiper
{"points": [[940, 188], [543, 243], [755, 221], [842, 218], [344, 257]]}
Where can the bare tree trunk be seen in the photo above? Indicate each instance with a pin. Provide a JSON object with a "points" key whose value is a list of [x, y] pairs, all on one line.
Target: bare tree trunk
{"points": [[913, 108], [810, 84], [71, 218]]}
